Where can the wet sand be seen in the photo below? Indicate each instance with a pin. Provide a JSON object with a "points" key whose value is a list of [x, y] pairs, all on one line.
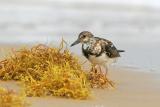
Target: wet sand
{"points": [[133, 89]]}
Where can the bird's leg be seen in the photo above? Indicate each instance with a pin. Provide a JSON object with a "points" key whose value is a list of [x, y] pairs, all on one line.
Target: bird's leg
{"points": [[106, 66], [104, 70], [93, 69], [101, 69], [97, 68]]}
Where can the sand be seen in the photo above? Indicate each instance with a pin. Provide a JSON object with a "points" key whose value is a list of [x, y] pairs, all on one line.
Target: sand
{"points": [[133, 89]]}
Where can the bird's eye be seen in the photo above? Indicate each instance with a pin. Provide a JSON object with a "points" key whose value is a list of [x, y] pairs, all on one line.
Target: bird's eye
{"points": [[84, 36]]}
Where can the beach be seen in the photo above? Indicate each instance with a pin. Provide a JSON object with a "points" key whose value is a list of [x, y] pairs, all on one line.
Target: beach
{"points": [[133, 89], [132, 26]]}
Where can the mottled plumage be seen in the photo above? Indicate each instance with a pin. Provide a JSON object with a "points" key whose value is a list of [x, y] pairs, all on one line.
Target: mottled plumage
{"points": [[96, 46], [97, 50]]}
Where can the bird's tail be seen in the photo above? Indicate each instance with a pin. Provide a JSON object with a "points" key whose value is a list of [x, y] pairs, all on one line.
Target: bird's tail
{"points": [[121, 50]]}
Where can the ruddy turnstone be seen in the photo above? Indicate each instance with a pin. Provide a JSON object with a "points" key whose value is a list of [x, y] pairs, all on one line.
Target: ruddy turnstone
{"points": [[100, 52]]}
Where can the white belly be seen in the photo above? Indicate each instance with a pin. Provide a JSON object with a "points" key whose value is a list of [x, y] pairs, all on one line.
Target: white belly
{"points": [[102, 60]]}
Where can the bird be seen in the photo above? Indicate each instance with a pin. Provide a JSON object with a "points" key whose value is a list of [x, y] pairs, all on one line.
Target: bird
{"points": [[99, 51]]}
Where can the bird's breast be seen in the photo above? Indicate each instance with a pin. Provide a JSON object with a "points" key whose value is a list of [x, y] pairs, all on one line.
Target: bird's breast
{"points": [[98, 60], [101, 60], [92, 48]]}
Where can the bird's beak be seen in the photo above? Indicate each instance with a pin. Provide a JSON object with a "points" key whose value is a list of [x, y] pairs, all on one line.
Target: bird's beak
{"points": [[75, 43]]}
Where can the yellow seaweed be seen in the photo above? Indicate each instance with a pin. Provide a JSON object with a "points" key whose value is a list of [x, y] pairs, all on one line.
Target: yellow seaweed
{"points": [[98, 79], [50, 71], [46, 71], [8, 98]]}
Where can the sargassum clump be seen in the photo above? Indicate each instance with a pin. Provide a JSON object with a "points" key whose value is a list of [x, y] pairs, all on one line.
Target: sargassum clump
{"points": [[49, 71], [46, 71]]}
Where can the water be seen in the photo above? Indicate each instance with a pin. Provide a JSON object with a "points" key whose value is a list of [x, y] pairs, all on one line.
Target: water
{"points": [[134, 28]]}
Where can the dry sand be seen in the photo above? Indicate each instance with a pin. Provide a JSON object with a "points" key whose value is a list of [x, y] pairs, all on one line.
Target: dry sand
{"points": [[134, 89]]}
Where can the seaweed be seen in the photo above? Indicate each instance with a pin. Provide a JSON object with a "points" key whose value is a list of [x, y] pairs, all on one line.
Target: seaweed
{"points": [[46, 71], [8, 98], [51, 71], [98, 79]]}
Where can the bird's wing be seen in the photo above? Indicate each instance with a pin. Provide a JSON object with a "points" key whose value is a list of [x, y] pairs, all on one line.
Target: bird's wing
{"points": [[109, 48]]}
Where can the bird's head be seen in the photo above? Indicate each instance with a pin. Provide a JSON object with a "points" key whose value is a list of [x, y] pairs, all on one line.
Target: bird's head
{"points": [[83, 37]]}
